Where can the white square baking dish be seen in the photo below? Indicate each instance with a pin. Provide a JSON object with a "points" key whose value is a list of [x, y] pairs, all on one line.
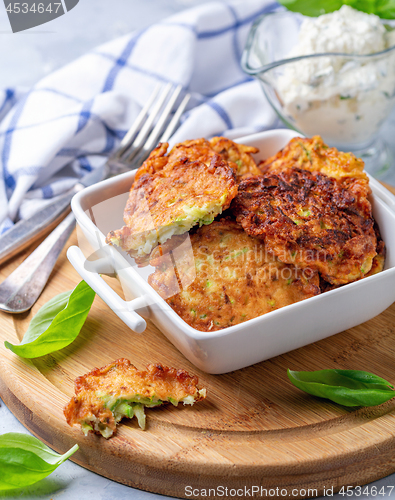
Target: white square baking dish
{"points": [[99, 209]]}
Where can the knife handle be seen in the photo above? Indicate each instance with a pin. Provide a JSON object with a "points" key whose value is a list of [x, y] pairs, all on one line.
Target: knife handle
{"points": [[26, 231], [20, 290]]}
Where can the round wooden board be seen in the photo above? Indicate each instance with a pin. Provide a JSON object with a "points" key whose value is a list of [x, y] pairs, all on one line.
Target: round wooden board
{"points": [[255, 429]]}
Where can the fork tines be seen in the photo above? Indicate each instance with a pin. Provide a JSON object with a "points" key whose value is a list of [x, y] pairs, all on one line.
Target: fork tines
{"points": [[152, 125]]}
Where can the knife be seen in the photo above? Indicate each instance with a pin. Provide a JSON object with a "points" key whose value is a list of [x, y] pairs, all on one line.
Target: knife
{"points": [[26, 231]]}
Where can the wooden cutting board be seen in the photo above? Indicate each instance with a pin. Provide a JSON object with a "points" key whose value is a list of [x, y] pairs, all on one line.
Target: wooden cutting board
{"points": [[255, 429]]}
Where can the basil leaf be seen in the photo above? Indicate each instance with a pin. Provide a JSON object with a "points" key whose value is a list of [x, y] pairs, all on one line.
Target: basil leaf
{"points": [[386, 9], [382, 8], [346, 387], [56, 324], [24, 460], [312, 8]]}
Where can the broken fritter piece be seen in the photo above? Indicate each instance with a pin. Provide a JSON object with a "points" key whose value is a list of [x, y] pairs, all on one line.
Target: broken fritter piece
{"points": [[314, 155], [105, 395], [172, 199], [311, 221], [225, 277]]}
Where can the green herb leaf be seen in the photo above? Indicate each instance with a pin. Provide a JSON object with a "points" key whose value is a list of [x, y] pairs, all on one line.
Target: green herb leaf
{"points": [[382, 8], [24, 460], [56, 324], [345, 387]]}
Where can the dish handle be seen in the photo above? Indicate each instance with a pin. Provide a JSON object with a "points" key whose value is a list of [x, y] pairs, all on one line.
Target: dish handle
{"points": [[125, 310]]}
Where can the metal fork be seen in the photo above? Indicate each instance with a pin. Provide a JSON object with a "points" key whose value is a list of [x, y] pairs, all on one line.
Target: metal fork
{"points": [[20, 290], [144, 134]]}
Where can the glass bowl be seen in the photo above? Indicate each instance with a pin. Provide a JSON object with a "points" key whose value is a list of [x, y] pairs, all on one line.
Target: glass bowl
{"points": [[345, 98]]}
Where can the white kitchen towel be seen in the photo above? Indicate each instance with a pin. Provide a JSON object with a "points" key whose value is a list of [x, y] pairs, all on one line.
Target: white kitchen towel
{"points": [[63, 127]]}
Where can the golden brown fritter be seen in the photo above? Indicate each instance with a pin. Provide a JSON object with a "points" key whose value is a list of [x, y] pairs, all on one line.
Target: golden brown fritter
{"points": [[238, 155], [155, 162], [105, 395], [314, 155], [377, 264], [170, 199], [223, 277], [171, 193], [184, 152], [310, 220], [379, 258]]}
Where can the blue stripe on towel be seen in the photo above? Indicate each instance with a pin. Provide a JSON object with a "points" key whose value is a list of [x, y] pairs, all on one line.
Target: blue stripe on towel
{"points": [[9, 96], [73, 152], [93, 116], [121, 61], [5, 155], [221, 112], [11, 180], [56, 92], [85, 115], [47, 192], [243, 22], [84, 163], [143, 71], [223, 89], [236, 48]]}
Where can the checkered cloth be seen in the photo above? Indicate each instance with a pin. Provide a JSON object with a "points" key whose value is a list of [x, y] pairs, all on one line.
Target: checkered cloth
{"points": [[65, 126]]}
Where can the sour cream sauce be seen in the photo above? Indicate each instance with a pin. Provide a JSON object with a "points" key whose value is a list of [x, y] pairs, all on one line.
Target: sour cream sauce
{"points": [[344, 99]]}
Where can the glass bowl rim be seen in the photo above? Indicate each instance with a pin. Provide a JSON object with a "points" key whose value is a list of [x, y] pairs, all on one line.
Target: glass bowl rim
{"points": [[266, 67]]}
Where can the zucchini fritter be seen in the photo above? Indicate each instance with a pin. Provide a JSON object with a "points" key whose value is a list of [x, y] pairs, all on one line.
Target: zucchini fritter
{"points": [[314, 155], [310, 220], [172, 199], [229, 277], [105, 395], [379, 259], [190, 185], [238, 155], [377, 265]]}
